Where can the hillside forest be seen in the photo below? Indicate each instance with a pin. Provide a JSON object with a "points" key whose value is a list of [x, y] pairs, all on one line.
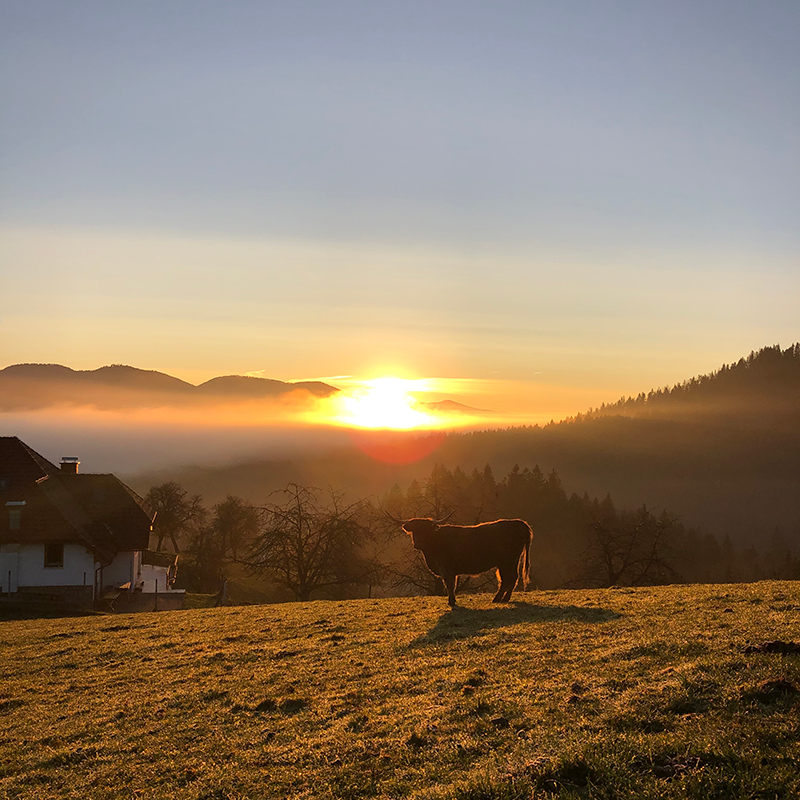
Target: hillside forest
{"points": [[306, 543]]}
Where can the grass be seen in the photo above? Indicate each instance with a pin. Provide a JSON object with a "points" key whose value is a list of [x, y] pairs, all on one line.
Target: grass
{"points": [[646, 693]]}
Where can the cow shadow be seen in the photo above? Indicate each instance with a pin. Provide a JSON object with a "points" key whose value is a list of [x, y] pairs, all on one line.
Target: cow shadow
{"points": [[466, 623]]}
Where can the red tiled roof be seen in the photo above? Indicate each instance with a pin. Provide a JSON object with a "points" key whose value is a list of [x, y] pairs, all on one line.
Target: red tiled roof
{"points": [[22, 465], [106, 498], [96, 510]]}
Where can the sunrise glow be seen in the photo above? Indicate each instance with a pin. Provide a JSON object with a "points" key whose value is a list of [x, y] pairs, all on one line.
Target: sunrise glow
{"points": [[385, 403]]}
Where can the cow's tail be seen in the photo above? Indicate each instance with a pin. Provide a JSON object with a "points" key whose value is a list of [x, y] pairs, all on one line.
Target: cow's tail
{"points": [[525, 559]]}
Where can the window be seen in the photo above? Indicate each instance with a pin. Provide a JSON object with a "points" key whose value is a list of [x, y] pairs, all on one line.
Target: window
{"points": [[5, 483], [54, 554], [15, 514]]}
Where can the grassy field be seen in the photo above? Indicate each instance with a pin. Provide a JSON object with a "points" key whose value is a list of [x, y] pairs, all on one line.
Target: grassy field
{"points": [[647, 693]]}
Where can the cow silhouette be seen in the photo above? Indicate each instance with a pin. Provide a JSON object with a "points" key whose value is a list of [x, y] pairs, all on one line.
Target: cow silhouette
{"points": [[453, 550]]}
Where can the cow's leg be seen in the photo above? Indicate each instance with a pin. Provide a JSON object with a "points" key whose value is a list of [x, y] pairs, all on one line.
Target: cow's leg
{"points": [[508, 579], [450, 583], [499, 596]]}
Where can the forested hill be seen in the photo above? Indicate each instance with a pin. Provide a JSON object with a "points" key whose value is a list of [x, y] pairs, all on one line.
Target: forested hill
{"points": [[767, 381], [721, 450]]}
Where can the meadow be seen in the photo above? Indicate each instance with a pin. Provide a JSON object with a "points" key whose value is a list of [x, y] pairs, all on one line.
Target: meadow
{"points": [[677, 691]]}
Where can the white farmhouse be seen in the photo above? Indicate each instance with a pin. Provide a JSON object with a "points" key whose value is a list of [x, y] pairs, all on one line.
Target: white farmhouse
{"points": [[76, 538]]}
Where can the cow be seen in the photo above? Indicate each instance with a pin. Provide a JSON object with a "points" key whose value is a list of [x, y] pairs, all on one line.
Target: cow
{"points": [[453, 550]]}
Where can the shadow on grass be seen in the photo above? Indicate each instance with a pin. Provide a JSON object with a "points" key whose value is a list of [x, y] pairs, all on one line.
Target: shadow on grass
{"points": [[28, 609], [464, 623]]}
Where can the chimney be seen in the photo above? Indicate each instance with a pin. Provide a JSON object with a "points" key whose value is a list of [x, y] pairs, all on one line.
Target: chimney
{"points": [[70, 464]]}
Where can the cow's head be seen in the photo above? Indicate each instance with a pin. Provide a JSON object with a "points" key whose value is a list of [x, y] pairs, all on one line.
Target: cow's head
{"points": [[421, 530]]}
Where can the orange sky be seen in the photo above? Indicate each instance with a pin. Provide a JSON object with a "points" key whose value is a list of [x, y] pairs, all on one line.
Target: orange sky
{"points": [[552, 205], [546, 339]]}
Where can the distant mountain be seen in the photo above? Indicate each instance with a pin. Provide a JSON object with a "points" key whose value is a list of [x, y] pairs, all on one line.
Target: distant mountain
{"points": [[452, 407], [36, 386], [248, 386]]}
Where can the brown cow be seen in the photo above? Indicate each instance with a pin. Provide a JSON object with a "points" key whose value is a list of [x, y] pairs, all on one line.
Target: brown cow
{"points": [[453, 550]]}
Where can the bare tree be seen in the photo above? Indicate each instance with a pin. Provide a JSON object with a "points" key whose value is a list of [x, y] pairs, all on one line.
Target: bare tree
{"points": [[305, 544], [629, 550], [177, 513], [219, 540], [235, 522], [206, 557]]}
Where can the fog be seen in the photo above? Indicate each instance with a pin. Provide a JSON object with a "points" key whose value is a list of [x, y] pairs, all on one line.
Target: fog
{"points": [[126, 421], [138, 440], [126, 442]]}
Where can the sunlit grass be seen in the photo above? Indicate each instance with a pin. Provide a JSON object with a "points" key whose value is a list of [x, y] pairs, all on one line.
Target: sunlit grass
{"points": [[607, 693]]}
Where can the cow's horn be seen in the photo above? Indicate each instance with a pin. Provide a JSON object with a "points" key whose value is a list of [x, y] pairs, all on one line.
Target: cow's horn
{"points": [[395, 519]]}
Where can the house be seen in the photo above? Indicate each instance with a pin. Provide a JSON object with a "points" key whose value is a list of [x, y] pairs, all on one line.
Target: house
{"points": [[76, 538]]}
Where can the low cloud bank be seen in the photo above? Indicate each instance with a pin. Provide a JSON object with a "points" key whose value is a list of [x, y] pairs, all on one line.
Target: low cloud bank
{"points": [[125, 420], [129, 442]]}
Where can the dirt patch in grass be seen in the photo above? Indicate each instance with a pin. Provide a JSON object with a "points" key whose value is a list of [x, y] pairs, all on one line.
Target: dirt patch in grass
{"points": [[778, 646], [773, 691]]}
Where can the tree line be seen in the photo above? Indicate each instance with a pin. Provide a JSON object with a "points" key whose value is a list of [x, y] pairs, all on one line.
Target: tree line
{"points": [[304, 542], [770, 375]]}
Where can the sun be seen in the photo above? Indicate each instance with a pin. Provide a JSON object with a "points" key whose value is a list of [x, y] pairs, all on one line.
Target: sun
{"points": [[384, 403]]}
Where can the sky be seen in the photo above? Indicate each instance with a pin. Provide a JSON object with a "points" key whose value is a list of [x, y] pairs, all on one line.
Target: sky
{"points": [[554, 203]]}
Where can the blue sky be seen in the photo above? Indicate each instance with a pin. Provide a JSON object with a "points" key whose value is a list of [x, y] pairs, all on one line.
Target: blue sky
{"points": [[585, 197]]}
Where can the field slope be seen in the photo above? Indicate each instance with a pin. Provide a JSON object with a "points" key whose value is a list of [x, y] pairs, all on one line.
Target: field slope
{"points": [[653, 692]]}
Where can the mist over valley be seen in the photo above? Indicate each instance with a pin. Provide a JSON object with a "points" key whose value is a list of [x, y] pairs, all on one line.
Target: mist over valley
{"points": [[721, 451]]}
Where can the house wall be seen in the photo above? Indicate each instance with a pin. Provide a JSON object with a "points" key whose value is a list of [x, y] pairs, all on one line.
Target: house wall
{"points": [[23, 565], [124, 568], [154, 578], [25, 562], [9, 567]]}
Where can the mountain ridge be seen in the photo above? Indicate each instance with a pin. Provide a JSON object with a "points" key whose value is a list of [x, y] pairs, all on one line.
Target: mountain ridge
{"points": [[35, 386]]}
